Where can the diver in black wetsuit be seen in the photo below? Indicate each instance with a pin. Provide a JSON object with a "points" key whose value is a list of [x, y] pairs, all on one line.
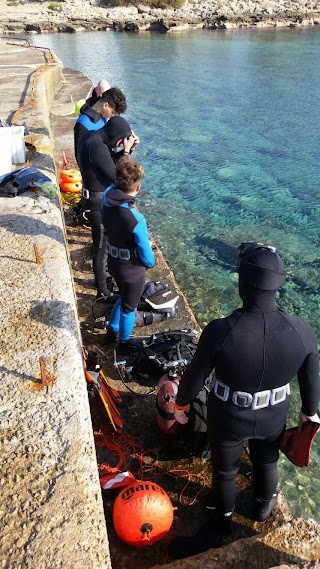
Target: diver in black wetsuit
{"points": [[254, 352], [98, 154]]}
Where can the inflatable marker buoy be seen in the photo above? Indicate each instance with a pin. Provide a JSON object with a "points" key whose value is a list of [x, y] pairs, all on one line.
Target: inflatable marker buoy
{"points": [[142, 514], [71, 187], [78, 106], [71, 175]]}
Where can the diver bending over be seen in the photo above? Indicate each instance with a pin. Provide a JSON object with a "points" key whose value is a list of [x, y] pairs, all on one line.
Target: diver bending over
{"points": [[255, 352], [98, 153]]}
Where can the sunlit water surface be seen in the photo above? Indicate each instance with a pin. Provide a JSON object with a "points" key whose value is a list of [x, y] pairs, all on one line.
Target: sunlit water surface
{"points": [[230, 143]]}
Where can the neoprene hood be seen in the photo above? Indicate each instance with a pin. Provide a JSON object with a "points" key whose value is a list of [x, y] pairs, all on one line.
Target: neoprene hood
{"points": [[117, 128], [261, 268]]}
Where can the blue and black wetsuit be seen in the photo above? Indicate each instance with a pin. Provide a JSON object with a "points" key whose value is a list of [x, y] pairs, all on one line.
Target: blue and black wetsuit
{"points": [[89, 120], [257, 348], [129, 256]]}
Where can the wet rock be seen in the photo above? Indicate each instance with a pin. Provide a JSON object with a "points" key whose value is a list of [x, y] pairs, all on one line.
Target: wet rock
{"points": [[33, 28], [118, 26], [131, 27]]}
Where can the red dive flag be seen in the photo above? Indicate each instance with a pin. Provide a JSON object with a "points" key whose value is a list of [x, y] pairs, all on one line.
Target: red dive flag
{"points": [[65, 159], [116, 480]]}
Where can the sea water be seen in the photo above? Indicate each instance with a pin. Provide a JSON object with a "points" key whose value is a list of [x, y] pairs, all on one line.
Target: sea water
{"points": [[230, 142]]}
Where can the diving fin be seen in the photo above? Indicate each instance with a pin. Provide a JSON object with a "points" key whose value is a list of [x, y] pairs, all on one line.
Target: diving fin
{"points": [[296, 445]]}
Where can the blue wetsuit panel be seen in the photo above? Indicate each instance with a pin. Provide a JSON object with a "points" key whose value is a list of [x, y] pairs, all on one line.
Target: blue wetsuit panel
{"points": [[89, 123]]}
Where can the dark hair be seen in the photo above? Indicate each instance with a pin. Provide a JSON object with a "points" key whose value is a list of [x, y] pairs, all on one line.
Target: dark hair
{"points": [[128, 173], [116, 100]]}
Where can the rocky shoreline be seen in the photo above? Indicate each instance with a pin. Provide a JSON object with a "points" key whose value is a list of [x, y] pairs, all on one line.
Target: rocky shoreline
{"points": [[78, 15]]}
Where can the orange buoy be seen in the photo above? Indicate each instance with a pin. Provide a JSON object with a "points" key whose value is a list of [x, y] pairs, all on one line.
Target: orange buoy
{"points": [[142, 514], [71, 175], [71, 187]]}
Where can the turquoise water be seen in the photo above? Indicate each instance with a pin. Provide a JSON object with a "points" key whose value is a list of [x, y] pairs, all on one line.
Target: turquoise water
{"points": [[230, 142]]}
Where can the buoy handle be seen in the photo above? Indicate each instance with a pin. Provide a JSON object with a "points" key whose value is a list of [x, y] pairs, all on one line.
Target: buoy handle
{"points": [[146, 529]]}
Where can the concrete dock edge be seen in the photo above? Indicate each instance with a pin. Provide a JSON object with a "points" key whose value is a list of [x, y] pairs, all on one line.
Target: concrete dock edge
{"points": [[51, 507]]}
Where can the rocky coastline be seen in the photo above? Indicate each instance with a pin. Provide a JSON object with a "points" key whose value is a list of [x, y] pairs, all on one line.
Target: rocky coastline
{"points": [[19, 17]]}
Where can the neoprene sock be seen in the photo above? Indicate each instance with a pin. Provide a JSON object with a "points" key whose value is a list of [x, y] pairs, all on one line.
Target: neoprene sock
{"points": [[263, 508], [126, 324], [114, 321], [206, 538]]}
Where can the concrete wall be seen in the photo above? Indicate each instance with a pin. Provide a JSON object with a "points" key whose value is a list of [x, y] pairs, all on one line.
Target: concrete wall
{"points": [[50, 501]]}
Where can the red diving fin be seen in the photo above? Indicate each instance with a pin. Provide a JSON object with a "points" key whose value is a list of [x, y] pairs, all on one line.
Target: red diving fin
{"points": [[115, 394], [296, 445], [112, 406], [109, 396]]}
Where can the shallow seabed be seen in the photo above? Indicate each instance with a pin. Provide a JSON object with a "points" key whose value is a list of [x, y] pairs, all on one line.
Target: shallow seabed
{"points": [[230, 141]]}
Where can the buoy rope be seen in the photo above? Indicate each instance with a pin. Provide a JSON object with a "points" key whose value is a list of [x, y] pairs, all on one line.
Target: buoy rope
{"points": [[126, 447]]}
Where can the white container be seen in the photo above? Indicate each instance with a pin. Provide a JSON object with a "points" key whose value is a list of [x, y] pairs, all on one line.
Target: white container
{"points": [[5, 156], [14, 136]]}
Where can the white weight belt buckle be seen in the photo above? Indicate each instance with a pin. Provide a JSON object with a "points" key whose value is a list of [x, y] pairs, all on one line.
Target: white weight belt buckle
{"points": [[242, 395], [226, 390], [279, 394], [263, 396]]}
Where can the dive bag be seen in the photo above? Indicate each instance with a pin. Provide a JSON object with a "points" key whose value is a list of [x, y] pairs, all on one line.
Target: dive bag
{"points": [[25, 179]]}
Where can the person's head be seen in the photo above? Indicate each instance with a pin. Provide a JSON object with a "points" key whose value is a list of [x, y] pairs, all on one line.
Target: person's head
{"points": [[260, 268], [101, 88], [129, 175], [116, 130], [112, 102]]}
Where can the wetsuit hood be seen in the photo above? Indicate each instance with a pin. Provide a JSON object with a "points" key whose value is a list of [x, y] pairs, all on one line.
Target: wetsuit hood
{"points": [[116, 197], [261, 269], [116, 129]]}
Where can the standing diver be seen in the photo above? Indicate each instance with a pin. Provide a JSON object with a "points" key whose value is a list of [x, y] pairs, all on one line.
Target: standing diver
{"points": [[129, 249], [96, 112], [98, 153], [254, 352]]}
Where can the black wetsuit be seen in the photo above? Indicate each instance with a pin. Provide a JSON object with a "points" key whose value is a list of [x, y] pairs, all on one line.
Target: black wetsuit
{"points": [[254, 349], [97, 157], [98, 170]]}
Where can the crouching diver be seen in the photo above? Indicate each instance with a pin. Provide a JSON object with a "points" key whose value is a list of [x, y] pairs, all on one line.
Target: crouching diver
{"points": [[255, 352], [129, 249]]}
